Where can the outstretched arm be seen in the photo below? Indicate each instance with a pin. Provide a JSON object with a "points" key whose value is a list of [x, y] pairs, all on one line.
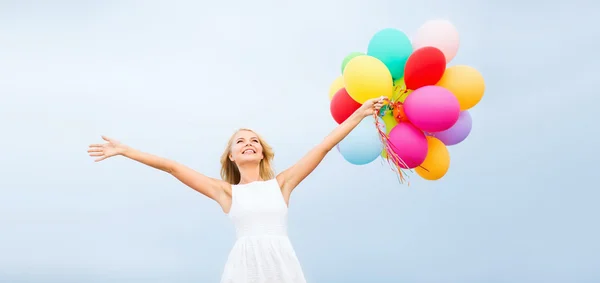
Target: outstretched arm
{"points": [[210, 187], [290, 178]]}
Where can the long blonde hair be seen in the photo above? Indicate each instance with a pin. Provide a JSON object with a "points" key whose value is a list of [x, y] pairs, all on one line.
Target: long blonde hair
{"points": [[229, 170]]}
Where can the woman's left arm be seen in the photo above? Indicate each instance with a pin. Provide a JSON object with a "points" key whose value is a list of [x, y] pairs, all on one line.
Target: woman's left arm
{"points": [[290, 178]]}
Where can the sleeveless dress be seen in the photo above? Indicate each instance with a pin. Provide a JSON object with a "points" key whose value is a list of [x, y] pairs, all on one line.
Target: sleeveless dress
{"points": [[262, 252]]}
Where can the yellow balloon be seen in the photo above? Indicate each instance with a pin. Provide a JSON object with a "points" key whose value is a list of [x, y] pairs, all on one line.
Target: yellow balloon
{"points": [[436, 163], [337, 84], [466, 83], [366, 77]]}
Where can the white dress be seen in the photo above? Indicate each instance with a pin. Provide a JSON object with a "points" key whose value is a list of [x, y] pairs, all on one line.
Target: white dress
{"points": [[262, 252]]}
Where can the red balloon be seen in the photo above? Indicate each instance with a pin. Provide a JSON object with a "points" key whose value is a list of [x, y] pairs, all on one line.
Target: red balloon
{"points": [[342, 106], [425, 66]]}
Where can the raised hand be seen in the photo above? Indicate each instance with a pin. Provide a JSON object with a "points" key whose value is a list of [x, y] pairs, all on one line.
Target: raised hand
{"points": [[103, 151], [372, 106]]}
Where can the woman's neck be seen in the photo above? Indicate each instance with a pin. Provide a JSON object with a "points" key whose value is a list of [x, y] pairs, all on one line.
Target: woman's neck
{"points": [[249, 174]]}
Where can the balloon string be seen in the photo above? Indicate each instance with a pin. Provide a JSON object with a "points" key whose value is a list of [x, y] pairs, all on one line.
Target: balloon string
{"points": [[391, 157], [399, 92]]}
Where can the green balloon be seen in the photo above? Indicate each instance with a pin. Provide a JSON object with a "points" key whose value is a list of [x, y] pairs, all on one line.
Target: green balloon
{"points": [[392, 47], [350, 57]]}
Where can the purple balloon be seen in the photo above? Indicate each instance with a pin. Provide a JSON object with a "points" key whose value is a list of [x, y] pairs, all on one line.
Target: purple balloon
{"points": [[458, 132]]}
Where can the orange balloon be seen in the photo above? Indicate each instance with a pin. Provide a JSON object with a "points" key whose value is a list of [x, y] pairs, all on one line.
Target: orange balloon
{"points": [[436, 162], [399, 114], [466, 83]]}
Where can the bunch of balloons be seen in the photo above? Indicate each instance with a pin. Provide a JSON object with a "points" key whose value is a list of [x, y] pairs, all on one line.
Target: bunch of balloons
{"points": [[429, 100]]}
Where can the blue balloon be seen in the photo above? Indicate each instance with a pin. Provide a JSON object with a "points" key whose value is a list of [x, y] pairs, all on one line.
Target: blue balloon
{"points": [[393, 48], [363, 144]]}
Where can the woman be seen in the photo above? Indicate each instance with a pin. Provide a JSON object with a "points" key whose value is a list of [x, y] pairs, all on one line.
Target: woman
{"points": [[254, 198]]}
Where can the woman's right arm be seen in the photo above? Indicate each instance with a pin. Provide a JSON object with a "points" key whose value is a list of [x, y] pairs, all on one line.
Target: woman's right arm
{"points": [[210, 187]]}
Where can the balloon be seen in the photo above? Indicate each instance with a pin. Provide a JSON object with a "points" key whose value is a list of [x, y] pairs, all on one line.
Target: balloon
{"points": [[436, 163], [458, 132], [399, 114], [400, 92], [365, 77], [440, 34], [466, 83], [389, 121], [350, 57], [409, 143], [425, 66], [432, 108], [363, 144], [342, 106], [393, 48], [335, 86]]}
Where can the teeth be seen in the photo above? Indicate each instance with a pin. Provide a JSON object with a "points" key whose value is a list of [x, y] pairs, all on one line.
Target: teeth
{"points": [[248, 151]]}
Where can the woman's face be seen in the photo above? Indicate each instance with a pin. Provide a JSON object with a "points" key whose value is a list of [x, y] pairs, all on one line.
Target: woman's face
{"points": [[246, 148]]}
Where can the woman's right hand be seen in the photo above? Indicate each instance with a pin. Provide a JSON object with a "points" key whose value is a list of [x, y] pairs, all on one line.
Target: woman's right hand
{"points": [[103, 151], [372, 106]]}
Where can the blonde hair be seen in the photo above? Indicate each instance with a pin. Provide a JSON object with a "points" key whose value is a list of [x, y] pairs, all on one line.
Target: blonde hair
{"points": [[229, 170]]}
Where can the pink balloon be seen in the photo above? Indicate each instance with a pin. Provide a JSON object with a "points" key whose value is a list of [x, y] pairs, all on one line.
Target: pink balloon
{"points": [[440, 34], [409, 143], [432, 108]]}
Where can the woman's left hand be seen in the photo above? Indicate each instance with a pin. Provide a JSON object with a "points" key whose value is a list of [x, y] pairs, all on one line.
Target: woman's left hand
{"points": [[371, 106]]}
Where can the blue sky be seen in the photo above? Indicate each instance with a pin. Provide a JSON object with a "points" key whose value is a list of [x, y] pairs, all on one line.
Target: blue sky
{"points": [[519, 203]]}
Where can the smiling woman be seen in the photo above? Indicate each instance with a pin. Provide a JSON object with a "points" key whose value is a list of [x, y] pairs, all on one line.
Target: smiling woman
{"points": [[252, 196], [246, 146]]}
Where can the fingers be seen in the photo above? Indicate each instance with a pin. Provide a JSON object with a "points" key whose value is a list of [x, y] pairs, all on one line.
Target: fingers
{"points": [[96, 147], [380, 102], [96, 150], [382, 99], [99, 156], [373, 101]]}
